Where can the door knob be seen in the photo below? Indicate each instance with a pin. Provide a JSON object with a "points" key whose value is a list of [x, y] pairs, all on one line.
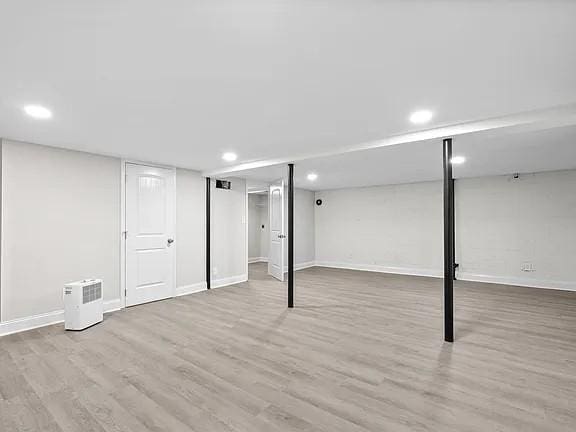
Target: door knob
{"points": [[170, 241], [281, 236]]}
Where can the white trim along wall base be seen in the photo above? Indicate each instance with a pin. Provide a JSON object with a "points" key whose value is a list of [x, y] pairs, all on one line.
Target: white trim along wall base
{"points": [[301, 266], [190, 289], [43, 320], [257, 260], [381, 269], [528, 283], [57, 317], [232, 280], [216, 283], [462, 276]]}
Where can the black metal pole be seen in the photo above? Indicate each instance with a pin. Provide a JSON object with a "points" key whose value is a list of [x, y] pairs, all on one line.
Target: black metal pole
{"points": [[448, 242], [208, 271], [290, 235], [453, 229]]}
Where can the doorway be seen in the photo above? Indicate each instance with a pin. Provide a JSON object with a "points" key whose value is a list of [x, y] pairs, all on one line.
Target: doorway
{"points": [[266, 231], [258, 228]]}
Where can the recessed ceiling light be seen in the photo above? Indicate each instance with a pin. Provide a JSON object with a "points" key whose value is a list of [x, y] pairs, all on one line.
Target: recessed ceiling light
{"points": [[312, 176], [422, 116], [458, 160], [38, 111], [229, 156]]}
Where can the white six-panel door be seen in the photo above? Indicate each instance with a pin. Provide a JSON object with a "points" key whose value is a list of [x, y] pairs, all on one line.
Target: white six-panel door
{"points": [[276, 213], [150, 229]]}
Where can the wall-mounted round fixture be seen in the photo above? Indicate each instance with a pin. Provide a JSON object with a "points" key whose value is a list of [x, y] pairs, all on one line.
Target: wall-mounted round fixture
{"points": [[457, 160], [38, 112], [229, 156], [312, 176], [421, 116], [318, 202]]}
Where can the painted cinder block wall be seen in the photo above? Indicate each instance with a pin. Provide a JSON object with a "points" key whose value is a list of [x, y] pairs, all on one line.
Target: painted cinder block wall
{"points": [[501, 223]]}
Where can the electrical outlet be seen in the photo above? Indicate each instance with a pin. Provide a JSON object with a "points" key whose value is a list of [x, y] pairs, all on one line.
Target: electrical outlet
{"points": [[215, 271]]}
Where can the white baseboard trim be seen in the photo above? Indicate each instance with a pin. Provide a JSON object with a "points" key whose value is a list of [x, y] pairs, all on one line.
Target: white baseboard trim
{"points": [[522, 282], [305, 265], [257, 260], [113, 305], [381, 269], [219, 283], [301, 266], [55, 317], [42, 320], [216, 283], [463, 276], [190, 289], [32, 322]]}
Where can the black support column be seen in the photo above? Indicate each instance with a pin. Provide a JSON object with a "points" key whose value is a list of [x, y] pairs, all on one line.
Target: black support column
{"points": [[453, 232], [290, 235], [449, 245], [208, 265]]}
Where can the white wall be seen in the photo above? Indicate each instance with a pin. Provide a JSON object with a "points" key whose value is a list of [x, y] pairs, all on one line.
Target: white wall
{"points": [[190, 231], [501, 222], [394, 228], [304, 228], [229, 233], [60, 222]]}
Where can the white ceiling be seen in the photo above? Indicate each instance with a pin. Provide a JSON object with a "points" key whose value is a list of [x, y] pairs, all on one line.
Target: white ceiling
{"points": [[181, 82], [486, 154]]}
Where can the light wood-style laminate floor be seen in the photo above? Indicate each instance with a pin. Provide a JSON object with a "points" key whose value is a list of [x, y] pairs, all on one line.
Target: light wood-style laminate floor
{"points": [[361, 352]]}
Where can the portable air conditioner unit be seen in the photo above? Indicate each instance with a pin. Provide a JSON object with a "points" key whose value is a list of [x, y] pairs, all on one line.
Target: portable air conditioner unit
{"points": [[82, 304]]}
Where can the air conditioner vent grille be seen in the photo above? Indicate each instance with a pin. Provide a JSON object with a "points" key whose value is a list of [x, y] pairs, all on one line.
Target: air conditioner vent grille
{"points": [[91, 293]]}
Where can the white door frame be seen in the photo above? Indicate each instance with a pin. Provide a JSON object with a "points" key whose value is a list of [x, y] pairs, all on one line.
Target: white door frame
{"points": [[123, 225], [248, 224]]}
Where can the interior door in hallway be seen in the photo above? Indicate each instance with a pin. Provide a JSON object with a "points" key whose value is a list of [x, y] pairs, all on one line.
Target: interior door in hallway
{"points": [[277, 236]]}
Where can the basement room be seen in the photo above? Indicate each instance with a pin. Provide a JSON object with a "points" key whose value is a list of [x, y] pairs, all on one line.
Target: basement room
{"points": [[287, 215]]}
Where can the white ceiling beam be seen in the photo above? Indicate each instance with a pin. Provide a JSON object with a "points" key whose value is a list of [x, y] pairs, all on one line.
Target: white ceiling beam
{"points": [[523, 122]]}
